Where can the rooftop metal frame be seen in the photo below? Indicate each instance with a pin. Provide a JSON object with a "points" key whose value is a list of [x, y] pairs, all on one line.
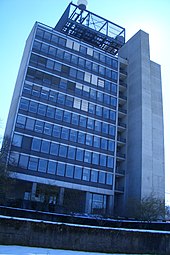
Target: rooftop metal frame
{"points": [[92, 29]]}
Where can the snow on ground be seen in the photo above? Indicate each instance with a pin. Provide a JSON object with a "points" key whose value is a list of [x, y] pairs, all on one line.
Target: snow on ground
{"points": [[21, 250]]}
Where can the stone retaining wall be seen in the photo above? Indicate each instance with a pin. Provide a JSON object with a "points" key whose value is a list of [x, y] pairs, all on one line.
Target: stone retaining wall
{"points": [[36, 233]]}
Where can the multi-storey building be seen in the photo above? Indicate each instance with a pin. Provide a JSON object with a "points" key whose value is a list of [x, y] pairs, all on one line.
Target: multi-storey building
{"points": [[86, 117]]}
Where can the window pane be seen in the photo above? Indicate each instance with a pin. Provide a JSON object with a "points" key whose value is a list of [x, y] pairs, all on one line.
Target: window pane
{"points": [[33, 107], [94, 176], [54, 149], [73, 135], [79, 154], [90, 123], [81, 138], [104, 144], [39, 126], [97, 125], [95, 158], [33, 163], [75, 119], [109, 179], [48, 129], [105, 128], [17, 140], [65, 133], [96, 142], [63, 151], [51, 167], [71, 152], [30, 124], [36, 144], [87, 157], [86, 174], [21, 121], [111, 146], [78, 172], [69, 171], [61, 168], [102, 160], [83, 121], [42, 109], [110, 162], [42, 166], [45, 147], [102, 177], [59, 114], [67, 117], [57, 131], [89, 139], [23, 161]]}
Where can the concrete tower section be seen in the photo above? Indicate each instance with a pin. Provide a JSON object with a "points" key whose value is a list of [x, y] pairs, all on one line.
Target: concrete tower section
{"points": [[145, 132]]}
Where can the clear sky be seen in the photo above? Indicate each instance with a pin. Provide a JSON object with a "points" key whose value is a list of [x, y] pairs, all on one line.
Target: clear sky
{"points": [[17, 18]]}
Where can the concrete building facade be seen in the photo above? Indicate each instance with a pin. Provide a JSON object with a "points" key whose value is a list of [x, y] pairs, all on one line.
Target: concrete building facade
{"points": [[86, 119]]}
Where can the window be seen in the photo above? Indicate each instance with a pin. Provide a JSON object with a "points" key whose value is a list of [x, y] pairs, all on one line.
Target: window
{"points": [[112, 130], [67, 56], [102, 177], [48, 129], [52, 51], [107, 85], [94, 176], [57, 131], [98, 110], [63, 151], [93, 94], [102, 72], [95, 158], [113, 101], [94, 67], [109, 179], [73, 135], [96, 142], [113, 115], [61, 99], [42, 109], [67, 117], [84, 106], [61, 168], [59, 114], [89, 139], [88, 65], [65, 133], [23, 161], [102, 160], [71, 152], [90, 123], [39, 125], [54, 39], [74, 59], [51, 167], [110, 162], [100, 96], [33, 163], [30, 124], [24, 103], [69, 171], [54, 149], [96, 55], [86, 174], [50, 64], [92, 108], [81, 62], [60, 53], [94, 79], [104, 144], [97, 125], [76, 46], [111, 146], [21, 121], [69, 101], [83, 49], [69, 43], [73, 72], [78, 172], [17, 140], [36, 46], [105, 128], [87, 157], [106, 99], [83, 121], [57, 67], [106, 113], [77, 103], [81, 138], [42, 166], [45, 147], [36, 144], [79, 154], [75, 119], [62, 41], [44, 48]]}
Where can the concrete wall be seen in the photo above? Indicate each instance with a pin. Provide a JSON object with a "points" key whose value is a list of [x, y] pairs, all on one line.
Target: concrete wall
{"points": [[85, 238], [145, 146]]}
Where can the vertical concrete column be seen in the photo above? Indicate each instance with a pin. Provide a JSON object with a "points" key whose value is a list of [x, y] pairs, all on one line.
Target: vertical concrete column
{"points": [[88, 202], [110, 205], [61, 196], [33, 190]]}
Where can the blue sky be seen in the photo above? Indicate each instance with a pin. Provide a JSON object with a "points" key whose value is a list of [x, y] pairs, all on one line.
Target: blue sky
{"points": [[17, 18]]}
